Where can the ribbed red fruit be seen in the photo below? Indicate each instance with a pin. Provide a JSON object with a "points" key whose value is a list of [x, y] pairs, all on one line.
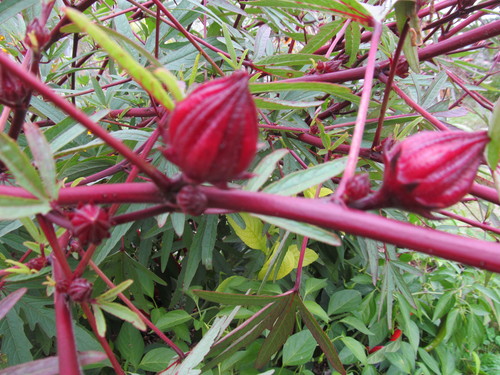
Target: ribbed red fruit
{"points": [[428, 171], [212, 134], [91, 224]]}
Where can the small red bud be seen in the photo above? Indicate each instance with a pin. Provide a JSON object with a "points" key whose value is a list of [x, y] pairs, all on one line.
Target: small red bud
{"points": [[357, 187], [191, 200], [80, 290], [396, 335], [428, 171], [13, 92], [212, 134], [36, 263], [90, 224]]}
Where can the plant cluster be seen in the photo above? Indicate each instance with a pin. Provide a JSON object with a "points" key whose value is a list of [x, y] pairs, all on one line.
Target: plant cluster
{"points": [[249, 187]]}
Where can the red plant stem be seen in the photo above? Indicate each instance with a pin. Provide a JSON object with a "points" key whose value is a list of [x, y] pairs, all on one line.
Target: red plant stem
{"points": [[87, 256], [66, 346], [142, 214], [425, 114], [56, 33], [480, 33], [390, 80], [421, 14], [462, 25], [370, 121], [486, 193], [32, 81], [359, 128], [50, 234], [481, 100], [132, 307], [188, 36], [460, 13], [132, 112], [102, 340], [474, 223], [470, 251]]}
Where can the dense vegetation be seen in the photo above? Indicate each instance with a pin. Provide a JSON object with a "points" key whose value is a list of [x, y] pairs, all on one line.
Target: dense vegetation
{"points": [[331, 250]]}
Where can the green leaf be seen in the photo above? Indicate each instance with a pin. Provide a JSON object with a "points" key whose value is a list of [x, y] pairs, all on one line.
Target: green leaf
{"points": [[123, 313], [10, 8], [156, 359], [100, 321], [356, 323], [289, 262], [290, 59], [20, 166], [172, 319], [322, 36], [299, 181], [14, 344], [445, 303], [408, 10], [356, 348], [252, 234], [42, 155], [130, 344], [299, 349], [15, 208], [311, 231], [278, 334], [140, 74], [321, 337], [317, 310], [264, 170], [352, 41], [493, 148], [344, 301], [111, 294], [265, 103]]}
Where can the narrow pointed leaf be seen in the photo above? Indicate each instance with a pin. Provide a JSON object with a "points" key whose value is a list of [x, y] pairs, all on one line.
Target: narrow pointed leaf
{"points": [[12, 208], [235, 299], [124, 313], [20, 166], [321, 337]]}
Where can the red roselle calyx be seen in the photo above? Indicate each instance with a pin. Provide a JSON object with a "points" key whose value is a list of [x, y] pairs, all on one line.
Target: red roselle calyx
{"points": [[91, 224], [428, 171], [212, 134], [80, 290]]}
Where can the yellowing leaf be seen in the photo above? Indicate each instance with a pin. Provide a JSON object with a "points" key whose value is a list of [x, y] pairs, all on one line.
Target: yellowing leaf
{"points": [[252, 234], [289, 263], [311, 192]]}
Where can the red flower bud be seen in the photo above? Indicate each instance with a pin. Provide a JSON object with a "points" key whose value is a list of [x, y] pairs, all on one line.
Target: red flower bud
{"points": [[357, 187], [212, 134], [13, 92], [80, 290], [36, 263], [396, 335], [191, 200], [428, 171], [90, 224]]}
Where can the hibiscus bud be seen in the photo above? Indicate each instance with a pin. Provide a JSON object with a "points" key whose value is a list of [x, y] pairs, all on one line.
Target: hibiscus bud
{"points": [[191, 200], [212, 134], [13, 92], [428, 171], [357, 187], [91, 224], [80, 290], [36, 263]]}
